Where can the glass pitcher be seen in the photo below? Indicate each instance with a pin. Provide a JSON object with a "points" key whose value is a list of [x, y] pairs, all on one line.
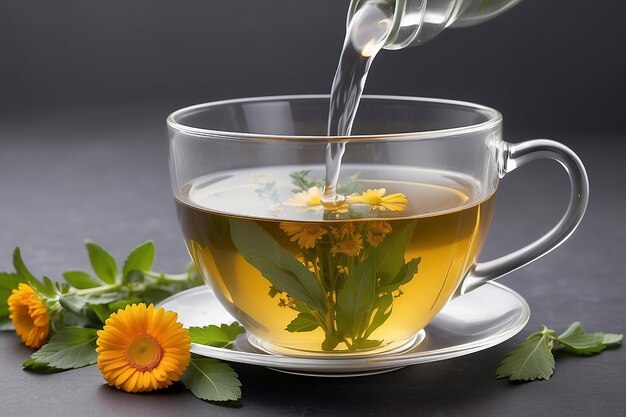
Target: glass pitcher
{"points": [[418, 21]]}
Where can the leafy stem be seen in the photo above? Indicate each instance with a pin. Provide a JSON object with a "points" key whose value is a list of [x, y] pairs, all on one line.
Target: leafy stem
{"points": [[533, 359]]}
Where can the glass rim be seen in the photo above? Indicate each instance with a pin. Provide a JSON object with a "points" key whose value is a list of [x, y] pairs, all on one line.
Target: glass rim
{"points": [[495, 118]]}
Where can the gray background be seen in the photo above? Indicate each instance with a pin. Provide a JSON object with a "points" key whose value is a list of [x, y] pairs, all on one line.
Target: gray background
{"points": [[85, 87]]}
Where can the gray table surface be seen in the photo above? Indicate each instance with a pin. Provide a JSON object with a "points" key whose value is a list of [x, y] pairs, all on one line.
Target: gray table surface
{"points": [[102, 174]]}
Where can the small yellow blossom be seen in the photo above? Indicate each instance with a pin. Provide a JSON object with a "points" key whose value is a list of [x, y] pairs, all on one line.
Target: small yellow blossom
{"points": [[351, 247], [343, 230], [306, 234], [377, 199], [342, 269], [310, 199], [143, 348], [377, 232], [29, 315]]}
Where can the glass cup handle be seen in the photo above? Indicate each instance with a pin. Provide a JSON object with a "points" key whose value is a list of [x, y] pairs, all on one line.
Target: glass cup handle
{"points": [[510, 157]]}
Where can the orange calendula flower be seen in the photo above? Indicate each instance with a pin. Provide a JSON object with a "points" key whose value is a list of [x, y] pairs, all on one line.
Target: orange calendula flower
{"points": [[377, 199], [351, 247], [142, 348], [29, 315], [377, 232], [310, 199], [306, 234]]}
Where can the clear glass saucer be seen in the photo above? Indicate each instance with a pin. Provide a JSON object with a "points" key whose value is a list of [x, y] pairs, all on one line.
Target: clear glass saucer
{"points": [[475, 321]]}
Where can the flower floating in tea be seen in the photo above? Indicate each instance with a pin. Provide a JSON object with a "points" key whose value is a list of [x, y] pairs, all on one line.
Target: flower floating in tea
{"points": [[310, 199], [377, 200]]}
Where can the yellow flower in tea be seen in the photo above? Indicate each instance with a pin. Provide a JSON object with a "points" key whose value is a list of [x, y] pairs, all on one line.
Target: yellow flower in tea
{"points": [[343, 230], [29, 315], [351, 247], [142, 348], [306, 234], [377, 232], [310, 199], [377, 199]]}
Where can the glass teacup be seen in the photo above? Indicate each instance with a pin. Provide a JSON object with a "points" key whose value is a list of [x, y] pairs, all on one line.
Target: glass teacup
{"points": [[418, 184]]}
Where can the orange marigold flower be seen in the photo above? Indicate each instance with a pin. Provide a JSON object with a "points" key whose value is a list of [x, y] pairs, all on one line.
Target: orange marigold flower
{"points": [[377, 199], [351, 247], [29, 315], [143, 348], [306, 234]]}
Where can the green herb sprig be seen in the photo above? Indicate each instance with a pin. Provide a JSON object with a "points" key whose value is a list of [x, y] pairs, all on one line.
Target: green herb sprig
{"points": [[78, 308], [533, 359]]}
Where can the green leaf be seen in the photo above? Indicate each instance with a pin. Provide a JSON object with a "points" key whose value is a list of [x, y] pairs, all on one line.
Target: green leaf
{"points": [[577, 341], [612, 339], [26, 277], [212, 380], [529, 361], [390, 253], [73, 303], [102, 312], [277, 265], [406, 274], [383, 311], [121, 304], [102, 262], [366, 344], [222, 337], [8, 282], [72, 347], [80, 280], [40, 368], [300, 180], [141, 258], [154, 295], [133, 276], [356, 298], [304, 322]]}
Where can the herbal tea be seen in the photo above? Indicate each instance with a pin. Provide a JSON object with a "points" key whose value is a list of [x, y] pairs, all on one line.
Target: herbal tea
{"points": [[372, 272]]}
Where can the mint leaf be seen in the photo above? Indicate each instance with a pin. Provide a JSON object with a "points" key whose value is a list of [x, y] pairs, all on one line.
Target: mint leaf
{"points": [[80, 280], [222, 337], [212, 380], [72, 347], [102, 262], [304, 322], [277, 265], [141, 258], [531, 360], [577, 341], [612, 339]]}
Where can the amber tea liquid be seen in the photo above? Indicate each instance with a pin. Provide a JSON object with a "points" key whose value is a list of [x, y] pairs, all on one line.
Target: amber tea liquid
{"points": [[239, 225]]}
